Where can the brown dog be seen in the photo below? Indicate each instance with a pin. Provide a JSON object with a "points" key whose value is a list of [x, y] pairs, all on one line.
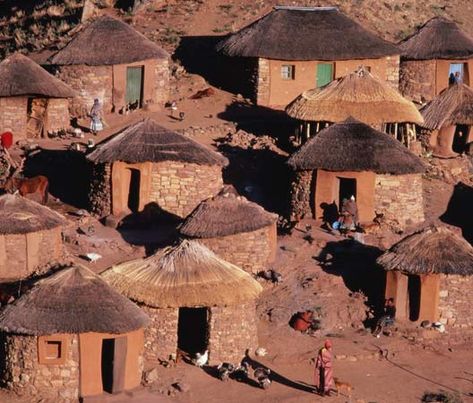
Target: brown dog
{"points": [[340, 385]]}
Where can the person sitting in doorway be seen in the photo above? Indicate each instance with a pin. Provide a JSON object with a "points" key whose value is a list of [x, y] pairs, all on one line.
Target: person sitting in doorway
{"points": [[95, 114], [348, 214], [451, 79], [388, 317]]}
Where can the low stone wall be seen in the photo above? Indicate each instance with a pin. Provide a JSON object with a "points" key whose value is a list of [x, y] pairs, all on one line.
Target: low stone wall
{"points": [[57, 115], [300, 195], [22, 373], [455, 301], [392, 71], [399, 198], [417, 79], [262, 82], [161, 333], [232, 331], [251, 251], [100, 193], [13, 116]]}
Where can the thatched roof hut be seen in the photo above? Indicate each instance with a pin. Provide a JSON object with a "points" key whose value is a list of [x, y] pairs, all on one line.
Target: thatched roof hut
{"points": [[438, 38], [306, 33], [430, 251], [355, 146], [226, 214], [72, 301], [107, 41], [186, 275], [20, 76], [147, 141], [358, 94], [453, 106], [19, 215]]}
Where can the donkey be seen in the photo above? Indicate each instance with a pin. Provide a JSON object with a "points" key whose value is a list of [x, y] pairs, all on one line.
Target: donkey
{"points": [[37, 184]]}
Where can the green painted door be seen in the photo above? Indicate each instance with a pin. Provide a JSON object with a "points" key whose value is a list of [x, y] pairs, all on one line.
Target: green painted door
{"points": [[134, 85], [324, 74]]}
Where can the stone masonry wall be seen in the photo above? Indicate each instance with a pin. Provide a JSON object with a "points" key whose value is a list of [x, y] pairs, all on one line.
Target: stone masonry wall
{"points": [[89, 82], [232, 331], [161, 333], [455, 302], [392, 71], [399, 198], [13, 116], [100, 192], [300, 195], [262, 81], [417, 79], [251, 251], [178, 187], [23, 374], [162, 82], [57, 115]]}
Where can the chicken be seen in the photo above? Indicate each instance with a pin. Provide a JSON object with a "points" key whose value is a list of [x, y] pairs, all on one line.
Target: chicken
{"points": [[201, 359]]}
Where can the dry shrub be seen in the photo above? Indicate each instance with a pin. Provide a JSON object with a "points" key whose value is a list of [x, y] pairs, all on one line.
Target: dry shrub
{"points": [[55, 11]]}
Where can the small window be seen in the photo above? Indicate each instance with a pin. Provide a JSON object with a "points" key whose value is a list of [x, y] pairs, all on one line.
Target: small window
{"points": [[287, 72], [52, 349]]}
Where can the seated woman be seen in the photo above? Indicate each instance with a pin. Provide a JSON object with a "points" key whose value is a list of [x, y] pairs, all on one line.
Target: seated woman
{"points": [[387, 319]]}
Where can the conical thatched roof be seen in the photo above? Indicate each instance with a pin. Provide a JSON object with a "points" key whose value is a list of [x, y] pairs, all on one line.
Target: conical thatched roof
{"points": [[19, 215], [306, 33], [74, 300], [355, 146], [147, 141], [226, 214], [359, 95], [20, 75], [108, 41], [186, 275], [453, 106], [438, 38], [432, 250]]}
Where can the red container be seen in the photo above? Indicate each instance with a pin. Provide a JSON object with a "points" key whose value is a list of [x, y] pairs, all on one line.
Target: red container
{"points": [[6, 140]]}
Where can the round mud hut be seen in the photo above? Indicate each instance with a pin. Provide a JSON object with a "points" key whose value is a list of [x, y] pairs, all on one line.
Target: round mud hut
{"points": [[449, 119], [359, 95], [237, 230], [30, 238], [430, 276], [71, 336], [435, 52], [32, 101], [353, 159], [111, 61], [196, 302], [148, 166]]}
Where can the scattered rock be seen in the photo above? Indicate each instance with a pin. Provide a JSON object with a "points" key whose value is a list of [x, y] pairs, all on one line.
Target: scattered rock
{"points": [[151, 375], [181, 387]]}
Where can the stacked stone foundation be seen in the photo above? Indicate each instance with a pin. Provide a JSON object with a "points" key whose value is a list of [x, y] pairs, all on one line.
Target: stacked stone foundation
{"points": [[455, 302], [417, 79], [13, 116]]}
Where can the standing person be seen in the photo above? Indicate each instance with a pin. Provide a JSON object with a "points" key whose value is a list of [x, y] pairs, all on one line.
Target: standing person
{"points": [[458, 78], [95, 114], [323, 365], [451, 79]]}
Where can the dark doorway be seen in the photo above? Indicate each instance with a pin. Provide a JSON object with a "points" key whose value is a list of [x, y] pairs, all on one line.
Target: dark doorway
{"points": [[346, 189], [113, 364], [108, 352], [193, 330], [134, 86], [413, 289], [460, 138], [134, 190]]}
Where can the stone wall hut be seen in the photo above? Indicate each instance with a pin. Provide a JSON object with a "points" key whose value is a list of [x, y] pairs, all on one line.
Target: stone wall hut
{"points": [[293, 49], [148, 164], [430, 276], [436, 50], [352, 158], [30, 238], [32, 101], [113, 62], [237, 230], [196, 302], [71, 336], [449, 118], [361, 96]]}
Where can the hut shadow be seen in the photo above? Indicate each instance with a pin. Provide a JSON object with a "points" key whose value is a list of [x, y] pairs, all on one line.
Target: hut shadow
{"points": [[458, 211]]}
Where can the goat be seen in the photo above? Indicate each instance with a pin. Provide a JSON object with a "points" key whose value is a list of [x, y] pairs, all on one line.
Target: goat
{"points": [[224, 370], [262, 376], [37, 184]]}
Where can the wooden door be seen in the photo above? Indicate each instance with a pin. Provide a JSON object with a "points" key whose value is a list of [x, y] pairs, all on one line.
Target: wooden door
{"points": [[134, 85], [324, 74]]}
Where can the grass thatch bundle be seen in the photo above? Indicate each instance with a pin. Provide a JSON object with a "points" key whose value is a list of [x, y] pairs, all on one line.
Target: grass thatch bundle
{"points": [[74, 300], [186, 275], [20, 75], [306, 33], [226, 214], [359, 95], [146, 141], [108, 41], [438, 38], [432, 250], [355, 146], [19, 215], [453, 106]]}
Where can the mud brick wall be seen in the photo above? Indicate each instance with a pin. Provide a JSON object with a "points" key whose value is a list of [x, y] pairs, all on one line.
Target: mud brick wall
{"points": [[232, 331], [251, 251], [161, 333], [23, 374], [13, 115], [301, 187], [417, 79], [89, 82], [100, 199], [392, 71], [262, 82], [178, 187], [399, 198], [455, 301], [57, 117]]}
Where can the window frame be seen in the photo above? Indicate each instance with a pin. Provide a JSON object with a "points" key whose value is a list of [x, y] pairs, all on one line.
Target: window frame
{"points": [[291, 71], [63, 349]]}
